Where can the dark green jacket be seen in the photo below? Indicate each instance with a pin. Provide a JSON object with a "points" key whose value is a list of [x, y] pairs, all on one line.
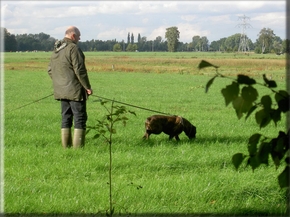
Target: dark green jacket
{"points": [[68, 71]]}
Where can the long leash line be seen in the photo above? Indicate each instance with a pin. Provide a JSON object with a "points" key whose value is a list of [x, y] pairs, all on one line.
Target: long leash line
{"points": [[35, 101], [127, 104]]}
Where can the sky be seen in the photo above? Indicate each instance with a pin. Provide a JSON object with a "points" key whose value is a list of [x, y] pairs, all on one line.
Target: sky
{"points": [[110, 20]]}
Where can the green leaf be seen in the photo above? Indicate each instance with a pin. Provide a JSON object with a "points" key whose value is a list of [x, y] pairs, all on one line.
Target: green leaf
{"points": [[266, 101], [263, 153], [102, 132], [280, 145], [237, 159], [113, 131], [88, 130], [276, 156], [287, 160], [269, 83], [124, 123], [209, 83], [249, 94], [284, 105], [237, 104], [103, 102], [244, 79], [282, 99], [204, 64], [254, 162], [241, 106], [282, 94], [230, 92], [97, 136], [263, 118], [132, 112], [275, 115], [253, 142], [253, 108], [283, 178]]}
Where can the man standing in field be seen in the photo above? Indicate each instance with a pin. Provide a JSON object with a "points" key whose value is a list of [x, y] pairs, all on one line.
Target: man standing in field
{"points": [[71, 87]]}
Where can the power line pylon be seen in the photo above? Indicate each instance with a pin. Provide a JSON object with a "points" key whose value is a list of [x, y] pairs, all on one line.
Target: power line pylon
{"points": [[244, 45]]}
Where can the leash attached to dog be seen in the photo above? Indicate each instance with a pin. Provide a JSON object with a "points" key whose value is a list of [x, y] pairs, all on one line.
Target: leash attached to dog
{"points": [[127, 104]]}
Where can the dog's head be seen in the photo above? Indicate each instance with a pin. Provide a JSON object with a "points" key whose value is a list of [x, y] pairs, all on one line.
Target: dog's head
{"points": [[189, 129]]}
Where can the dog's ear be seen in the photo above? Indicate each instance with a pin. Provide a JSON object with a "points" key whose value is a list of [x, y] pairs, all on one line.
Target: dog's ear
{"points": [[179, 120]]}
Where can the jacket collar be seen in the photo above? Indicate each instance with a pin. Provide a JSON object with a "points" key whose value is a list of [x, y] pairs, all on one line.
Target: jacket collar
{"points": [[68, 40]]}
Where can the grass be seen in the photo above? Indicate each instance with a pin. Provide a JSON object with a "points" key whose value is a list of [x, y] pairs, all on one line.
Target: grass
{"points": [[149, 177]]}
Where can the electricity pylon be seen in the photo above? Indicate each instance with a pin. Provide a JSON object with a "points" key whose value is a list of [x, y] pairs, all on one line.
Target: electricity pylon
{"points": [[244, 45]]}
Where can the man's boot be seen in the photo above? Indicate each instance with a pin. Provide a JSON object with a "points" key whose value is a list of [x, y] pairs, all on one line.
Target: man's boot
{"points": [[66, 137], [79, 138]]}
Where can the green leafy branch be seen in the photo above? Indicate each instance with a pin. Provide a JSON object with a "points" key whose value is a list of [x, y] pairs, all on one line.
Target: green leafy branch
{"points": [[243, 96], [106, 128]]}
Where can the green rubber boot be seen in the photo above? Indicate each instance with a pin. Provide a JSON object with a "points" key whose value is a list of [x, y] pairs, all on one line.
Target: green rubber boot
{"points": [[66, 137], [79, 138]]}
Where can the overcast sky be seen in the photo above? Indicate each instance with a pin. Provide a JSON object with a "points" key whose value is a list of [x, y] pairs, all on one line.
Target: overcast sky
{"points": [[106, 20]]}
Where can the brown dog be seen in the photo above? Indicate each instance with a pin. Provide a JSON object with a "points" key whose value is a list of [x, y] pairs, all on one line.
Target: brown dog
{"points": [[170, 125]]}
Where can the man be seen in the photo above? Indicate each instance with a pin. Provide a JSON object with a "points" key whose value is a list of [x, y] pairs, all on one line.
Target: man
{"points": [[71, 87]]}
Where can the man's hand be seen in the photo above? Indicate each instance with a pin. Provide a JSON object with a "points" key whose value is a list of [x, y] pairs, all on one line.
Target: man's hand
{"points": [[89, 91]]}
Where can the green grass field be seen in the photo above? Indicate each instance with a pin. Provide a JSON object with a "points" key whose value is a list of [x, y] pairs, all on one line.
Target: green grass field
{"points": [[149, 177]]}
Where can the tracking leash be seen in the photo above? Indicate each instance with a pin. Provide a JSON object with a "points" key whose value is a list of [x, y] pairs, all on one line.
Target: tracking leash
{"points": [[127, 104], [31, 102]]}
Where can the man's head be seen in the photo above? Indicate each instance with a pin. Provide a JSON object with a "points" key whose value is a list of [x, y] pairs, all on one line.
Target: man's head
{"points": [[73, 33]]}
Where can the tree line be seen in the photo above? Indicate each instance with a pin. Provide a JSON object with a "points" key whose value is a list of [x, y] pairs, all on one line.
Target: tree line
{"points": [[267, 42]]}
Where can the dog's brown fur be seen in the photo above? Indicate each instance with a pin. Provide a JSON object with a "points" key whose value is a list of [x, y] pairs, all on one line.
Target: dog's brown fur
{"points": [[170, 125]]}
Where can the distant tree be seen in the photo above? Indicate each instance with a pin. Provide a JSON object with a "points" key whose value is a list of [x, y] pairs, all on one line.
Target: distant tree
{"points": [[42, 36], [182, 47], [190, 47], [277, 47], [232, 42], [42, 41], [265, 40], [30, 42], [131, 47], [10, 43], [172, 36], [117, 47], [142, 43], [144, 39], [196, 43], [157, 43], [204, 43], [214, 46], [286, 46], [128, 38], [158, 39], [222, 44], [91, 45], [132, 38]]}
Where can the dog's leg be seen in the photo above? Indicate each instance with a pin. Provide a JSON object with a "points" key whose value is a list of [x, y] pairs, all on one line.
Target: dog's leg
{"points": [[147, 128], [146, 135], [177, 138]]}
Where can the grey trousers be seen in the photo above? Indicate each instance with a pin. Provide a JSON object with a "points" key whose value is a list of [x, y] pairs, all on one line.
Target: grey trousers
{"points": [[74, 112]]}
